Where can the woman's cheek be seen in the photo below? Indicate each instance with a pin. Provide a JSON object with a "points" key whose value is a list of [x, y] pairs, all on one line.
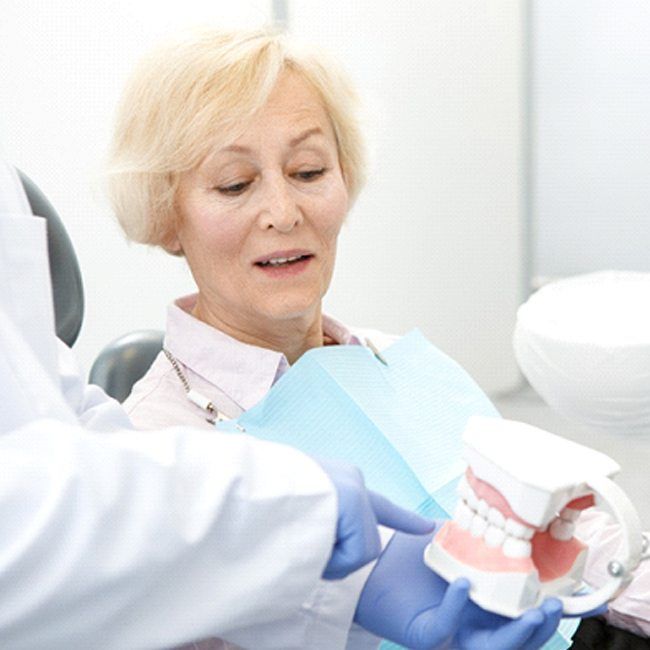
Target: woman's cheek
{"points": [[225, 229]]}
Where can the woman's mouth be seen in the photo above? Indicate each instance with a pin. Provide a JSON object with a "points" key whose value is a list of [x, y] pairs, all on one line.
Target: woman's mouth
{"points": [[288, 265], [283, 261]]}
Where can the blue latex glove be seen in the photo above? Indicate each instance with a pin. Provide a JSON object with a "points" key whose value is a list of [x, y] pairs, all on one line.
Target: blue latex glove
{"points": [[360, 511], [407, 603]]}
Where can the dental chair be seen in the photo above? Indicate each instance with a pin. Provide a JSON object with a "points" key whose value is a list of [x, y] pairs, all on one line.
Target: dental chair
{"points": [[67, 286], [125, 360]]}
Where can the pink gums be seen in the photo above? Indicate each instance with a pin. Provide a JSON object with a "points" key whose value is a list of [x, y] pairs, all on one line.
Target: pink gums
{"points": [[582, 503], [553, 557]]}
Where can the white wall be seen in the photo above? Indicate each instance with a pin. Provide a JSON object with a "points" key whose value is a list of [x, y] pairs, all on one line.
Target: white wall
{"points": [[435, 241], [591, 135]]}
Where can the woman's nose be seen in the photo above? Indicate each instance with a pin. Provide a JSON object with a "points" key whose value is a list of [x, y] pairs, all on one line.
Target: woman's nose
{"points": [[279, 208]]}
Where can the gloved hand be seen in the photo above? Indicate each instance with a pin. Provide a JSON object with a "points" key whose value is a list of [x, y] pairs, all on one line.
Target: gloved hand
{"points": [[407, 603], [360, 511]]}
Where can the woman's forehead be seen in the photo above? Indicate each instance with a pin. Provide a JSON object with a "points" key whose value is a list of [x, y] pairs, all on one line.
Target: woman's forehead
{"points": [[293, 106], [288, 119]]}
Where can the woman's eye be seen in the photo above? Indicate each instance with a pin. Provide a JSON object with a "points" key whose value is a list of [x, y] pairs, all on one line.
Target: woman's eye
{"points": [[235, 188], [310, 174]]}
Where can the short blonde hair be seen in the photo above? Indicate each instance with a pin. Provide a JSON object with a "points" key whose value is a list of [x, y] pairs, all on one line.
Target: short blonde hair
{"points": [[190, 96]]}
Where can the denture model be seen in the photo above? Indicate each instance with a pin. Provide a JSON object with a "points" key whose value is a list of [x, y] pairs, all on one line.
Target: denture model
{"points": [[512, 534]]}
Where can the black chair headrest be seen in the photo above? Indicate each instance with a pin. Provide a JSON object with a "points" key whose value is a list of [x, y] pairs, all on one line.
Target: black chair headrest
{"points": [[67, 286]]}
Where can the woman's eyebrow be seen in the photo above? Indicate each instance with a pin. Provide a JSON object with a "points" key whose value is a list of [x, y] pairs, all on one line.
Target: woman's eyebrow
{"points": [[235, 148], [316, 130], [304, 135]]}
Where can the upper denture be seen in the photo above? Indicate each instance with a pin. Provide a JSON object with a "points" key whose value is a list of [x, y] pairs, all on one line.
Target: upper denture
{"points": [[493, 497]]}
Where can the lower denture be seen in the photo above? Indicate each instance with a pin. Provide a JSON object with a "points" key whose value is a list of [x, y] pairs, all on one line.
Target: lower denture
{"points": [[463, 545], [555, 558]]}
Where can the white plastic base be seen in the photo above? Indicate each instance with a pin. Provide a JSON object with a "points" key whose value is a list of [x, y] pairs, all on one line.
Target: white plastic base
{"points": [[506, 593]]}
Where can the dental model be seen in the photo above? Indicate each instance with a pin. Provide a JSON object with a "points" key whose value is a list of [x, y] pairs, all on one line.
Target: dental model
{"points": [[512, 534]]}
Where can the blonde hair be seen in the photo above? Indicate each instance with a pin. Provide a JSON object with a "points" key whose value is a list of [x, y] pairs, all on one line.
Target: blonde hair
{"points": [[190, 96]]}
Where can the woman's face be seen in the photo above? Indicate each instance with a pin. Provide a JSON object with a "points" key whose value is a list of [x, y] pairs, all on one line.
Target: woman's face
{"points": [[259, 219]]}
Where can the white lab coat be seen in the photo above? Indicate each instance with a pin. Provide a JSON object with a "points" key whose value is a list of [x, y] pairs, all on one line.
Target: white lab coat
{"points": [[133, 540]]}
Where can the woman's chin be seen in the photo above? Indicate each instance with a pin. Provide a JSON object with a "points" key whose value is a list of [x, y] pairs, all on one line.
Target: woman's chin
{"points": [[282, 310]]}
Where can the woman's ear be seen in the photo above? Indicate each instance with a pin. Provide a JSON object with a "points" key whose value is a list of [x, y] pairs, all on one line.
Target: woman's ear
{"points": [[173, 245], [175, 250], [170, 241]]}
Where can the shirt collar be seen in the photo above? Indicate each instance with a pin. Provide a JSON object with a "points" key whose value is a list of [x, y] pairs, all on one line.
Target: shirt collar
{"points": [[242, 371]]}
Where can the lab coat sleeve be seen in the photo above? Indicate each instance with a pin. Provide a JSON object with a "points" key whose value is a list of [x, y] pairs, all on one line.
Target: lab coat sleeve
{"points": [[630, 610], [136, 540], [323, 623], [327, 617], [93, 408], [145, 539]]}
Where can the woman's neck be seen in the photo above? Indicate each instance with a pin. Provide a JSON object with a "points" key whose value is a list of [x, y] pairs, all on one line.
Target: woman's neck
{"points": [[292, 337]]}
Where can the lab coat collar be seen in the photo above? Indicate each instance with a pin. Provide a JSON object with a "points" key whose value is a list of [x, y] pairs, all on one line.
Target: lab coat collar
{"points": [[13, 200], [242, 371]]}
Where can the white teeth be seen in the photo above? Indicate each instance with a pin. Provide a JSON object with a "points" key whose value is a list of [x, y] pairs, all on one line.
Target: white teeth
{"points": [[496, 517], [478, 526], [518, 530], [569, 514], [481, 520], [463, 515], [562, 530], [513, 547], [494, 536], [472, 499], [276, 261]]}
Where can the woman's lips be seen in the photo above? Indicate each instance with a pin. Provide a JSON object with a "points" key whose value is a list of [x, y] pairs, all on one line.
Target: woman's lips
{"points": [[288, 268], [283, 255]]}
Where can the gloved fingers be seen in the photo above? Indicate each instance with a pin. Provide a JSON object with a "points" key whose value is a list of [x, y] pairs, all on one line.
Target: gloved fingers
{"points": [[531, 630], [351, 554], [357, 537], [437, 625], [388, 514], [552, 610], [515, 635], [336, 568]]}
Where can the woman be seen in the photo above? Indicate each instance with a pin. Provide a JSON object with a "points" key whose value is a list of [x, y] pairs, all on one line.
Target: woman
{"points": [[245, 157], [255, 205]]}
